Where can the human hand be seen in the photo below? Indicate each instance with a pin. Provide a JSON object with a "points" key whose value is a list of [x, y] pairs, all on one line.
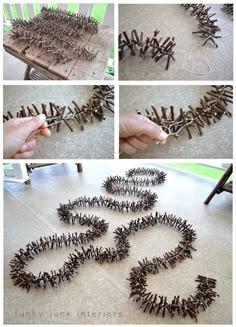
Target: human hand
{"points": [[137, 132], [17, 143]]}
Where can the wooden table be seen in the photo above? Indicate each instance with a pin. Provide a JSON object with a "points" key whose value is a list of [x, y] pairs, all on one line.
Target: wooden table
{"points": [[76, 69]]}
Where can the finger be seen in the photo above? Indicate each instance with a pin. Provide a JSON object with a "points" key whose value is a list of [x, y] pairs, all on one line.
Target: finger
{"points": [[126, 147], [24, 155], [150, 129], [23, 120], [29, 145], [45, 132], [33, 124], [136, 143], [146, 139], [139, 125], [44, 125]]}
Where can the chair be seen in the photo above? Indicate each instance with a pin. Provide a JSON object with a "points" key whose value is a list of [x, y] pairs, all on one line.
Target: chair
{"points": [[222, 185]]}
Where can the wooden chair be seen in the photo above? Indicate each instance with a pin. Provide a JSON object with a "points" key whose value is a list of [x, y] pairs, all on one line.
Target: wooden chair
{"points": [[222, 185]]}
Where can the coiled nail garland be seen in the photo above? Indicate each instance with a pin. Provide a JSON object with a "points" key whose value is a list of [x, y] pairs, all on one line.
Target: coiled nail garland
{"points": [[117, 185]]}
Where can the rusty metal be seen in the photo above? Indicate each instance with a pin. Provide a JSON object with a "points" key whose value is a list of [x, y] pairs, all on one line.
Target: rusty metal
{"points": [[213, 106], [58, 33], [101, 100], [207, 27], [228, 8], [153, 47]]}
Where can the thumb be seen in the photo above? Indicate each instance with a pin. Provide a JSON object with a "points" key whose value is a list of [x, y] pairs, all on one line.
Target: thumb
{"points": [[31, 125], [143, 125]]}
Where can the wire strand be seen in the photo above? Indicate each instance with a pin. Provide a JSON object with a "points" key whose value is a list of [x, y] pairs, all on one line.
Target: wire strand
{"points": [[60, 119], [202, 59]]}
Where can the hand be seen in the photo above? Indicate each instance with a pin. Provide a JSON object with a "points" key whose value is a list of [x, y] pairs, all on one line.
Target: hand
{"points": [[137, 132], [17, 143]]}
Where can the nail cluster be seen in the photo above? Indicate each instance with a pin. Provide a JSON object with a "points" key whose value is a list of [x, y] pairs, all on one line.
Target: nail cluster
{"points": [[117, 185], [212, 108], [228, 8], [59, 33], [101, 100], [154, 46], [159, 304], [207, 27]]}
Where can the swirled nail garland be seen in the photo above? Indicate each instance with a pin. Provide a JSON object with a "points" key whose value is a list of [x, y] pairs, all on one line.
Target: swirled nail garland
{"points": [[116, 185]]}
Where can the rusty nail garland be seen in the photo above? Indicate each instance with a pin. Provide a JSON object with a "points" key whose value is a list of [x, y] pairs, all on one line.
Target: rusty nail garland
{"points": [[207, 27], [213, 106], [55, 31], [158, 47], [153, 46], [101, 100], [117, 185], [228, 8]]}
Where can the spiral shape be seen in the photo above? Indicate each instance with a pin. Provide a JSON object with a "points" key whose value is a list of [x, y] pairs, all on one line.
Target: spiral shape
{"points": [[117, 185]]}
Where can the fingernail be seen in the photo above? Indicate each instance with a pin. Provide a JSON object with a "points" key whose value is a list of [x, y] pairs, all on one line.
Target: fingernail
{"points": [[163, 136], [41, 117], [24, 147]]}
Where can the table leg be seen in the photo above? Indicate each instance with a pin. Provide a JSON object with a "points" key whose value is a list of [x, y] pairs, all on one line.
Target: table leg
{"points": [[27, 72], [79, 167]]}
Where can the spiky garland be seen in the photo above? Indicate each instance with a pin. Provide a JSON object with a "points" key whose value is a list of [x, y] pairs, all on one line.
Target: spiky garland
{"points": [[228, 8], [74, 21], [159, 48], [207, 27], [212, 108], [152, 303], [54, 27], [101, 100], [156, 47]]}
